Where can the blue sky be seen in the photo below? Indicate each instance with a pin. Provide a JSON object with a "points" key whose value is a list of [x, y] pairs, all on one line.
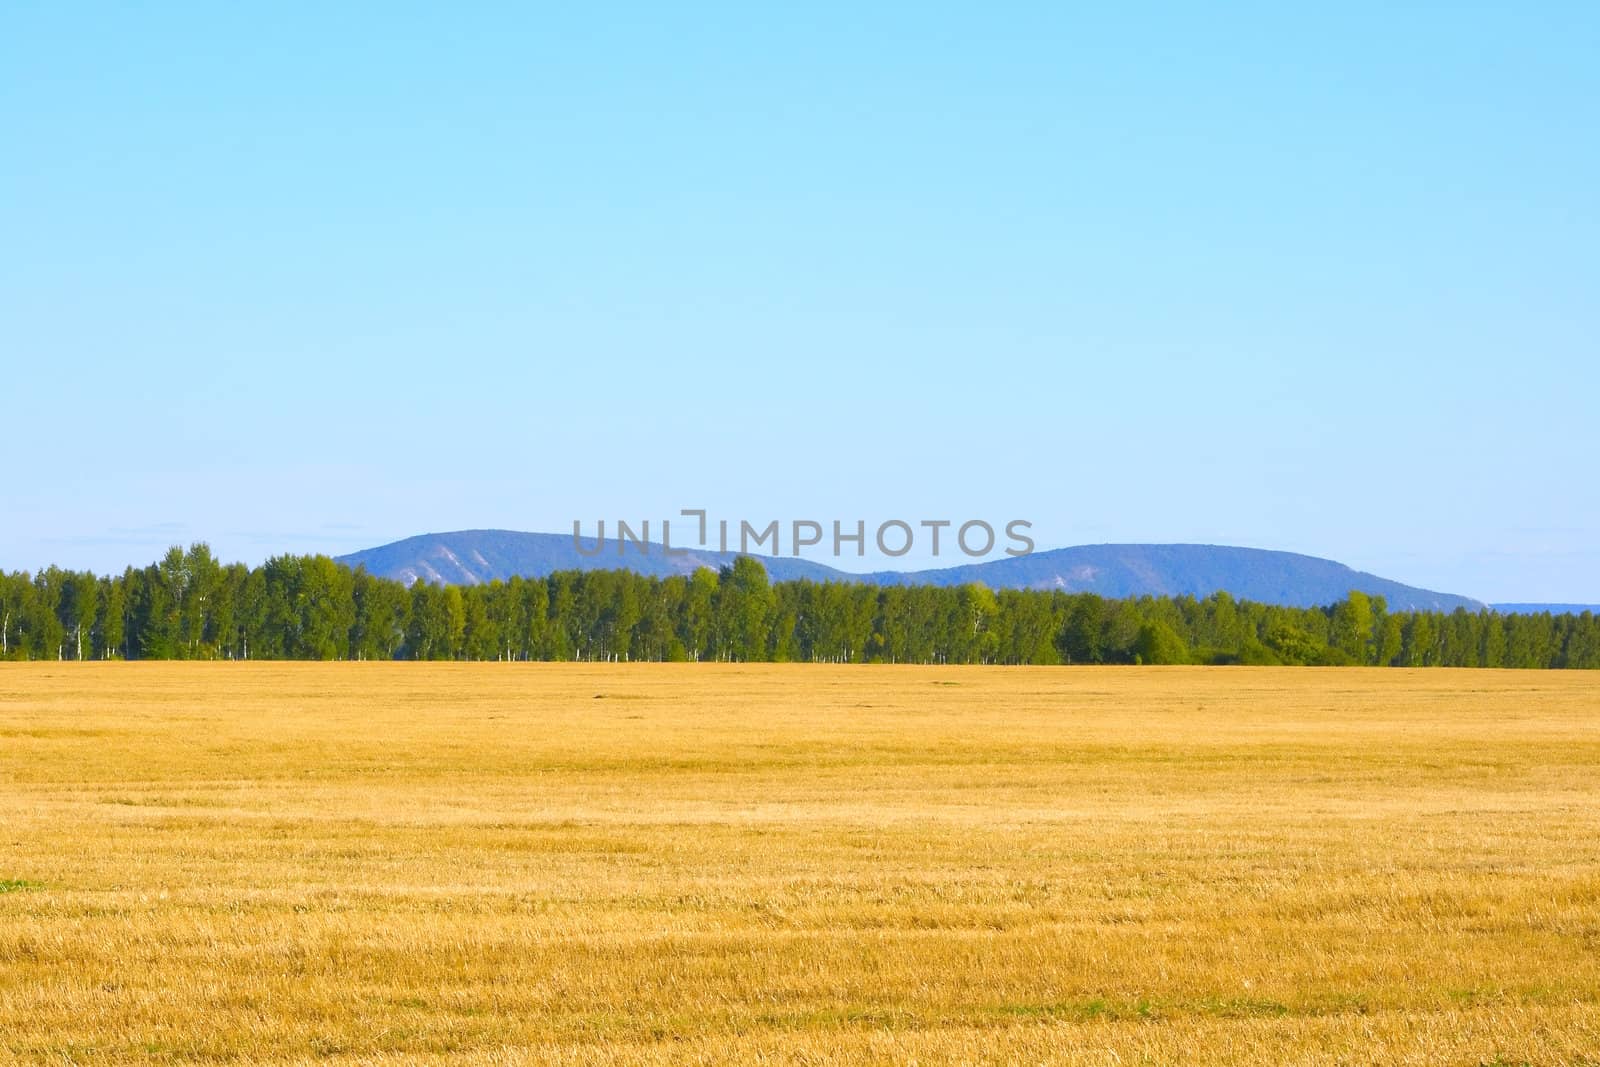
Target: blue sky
{"points": [[299, 277]]}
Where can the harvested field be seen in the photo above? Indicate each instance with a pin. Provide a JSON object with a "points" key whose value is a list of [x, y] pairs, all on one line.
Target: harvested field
{"points": [[653, 864]]}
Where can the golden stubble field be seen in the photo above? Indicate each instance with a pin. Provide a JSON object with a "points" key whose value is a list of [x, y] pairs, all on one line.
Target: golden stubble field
{"points": [[654, 864]]}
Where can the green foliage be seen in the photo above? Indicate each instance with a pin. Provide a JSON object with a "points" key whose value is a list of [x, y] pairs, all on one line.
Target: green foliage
{"points": [[1159, 643], [746, 605], [188, 606], [1352, 628], [1289, 641]]}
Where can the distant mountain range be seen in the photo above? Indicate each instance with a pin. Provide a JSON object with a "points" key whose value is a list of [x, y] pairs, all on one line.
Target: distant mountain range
{"points": [[472, 557], [1540, 609]]}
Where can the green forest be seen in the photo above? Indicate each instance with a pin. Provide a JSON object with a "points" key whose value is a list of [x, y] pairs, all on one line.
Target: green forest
{"points": [[190, 606]]}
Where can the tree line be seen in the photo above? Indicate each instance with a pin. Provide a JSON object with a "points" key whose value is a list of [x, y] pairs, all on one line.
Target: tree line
{"points": [[190, 606]]}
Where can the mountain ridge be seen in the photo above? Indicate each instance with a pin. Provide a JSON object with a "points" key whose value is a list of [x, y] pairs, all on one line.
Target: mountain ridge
{"points": [[1522, 608], [473, 557]]}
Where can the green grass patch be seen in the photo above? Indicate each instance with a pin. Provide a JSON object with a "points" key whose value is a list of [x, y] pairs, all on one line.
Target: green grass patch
{"points": [[1078, 1010]]}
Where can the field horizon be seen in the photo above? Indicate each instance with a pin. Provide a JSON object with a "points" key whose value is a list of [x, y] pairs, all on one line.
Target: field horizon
{"points": [[455, 863]]}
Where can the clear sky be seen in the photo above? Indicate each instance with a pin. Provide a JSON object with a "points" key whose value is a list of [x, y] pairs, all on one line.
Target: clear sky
{"points": [[313, 277]]}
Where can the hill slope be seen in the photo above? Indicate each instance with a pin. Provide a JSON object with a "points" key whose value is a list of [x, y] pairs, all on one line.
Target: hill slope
{"points": [[471, 557], [1542, 609], [1261, 575]]}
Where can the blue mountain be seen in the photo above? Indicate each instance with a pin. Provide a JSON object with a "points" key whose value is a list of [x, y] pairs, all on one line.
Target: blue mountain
{"points": [[472, 557], [1544, 609]]}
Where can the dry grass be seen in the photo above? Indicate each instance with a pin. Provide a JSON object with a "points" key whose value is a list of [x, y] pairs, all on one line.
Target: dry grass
{"points": [[386, 863]]}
